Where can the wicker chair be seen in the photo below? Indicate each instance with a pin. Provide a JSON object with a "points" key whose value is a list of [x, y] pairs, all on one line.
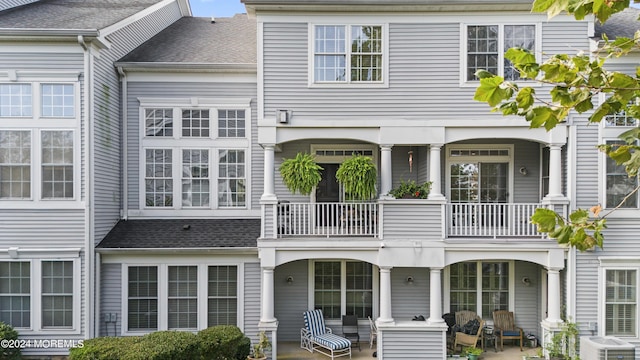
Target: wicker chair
{"points": [[505, 328]]}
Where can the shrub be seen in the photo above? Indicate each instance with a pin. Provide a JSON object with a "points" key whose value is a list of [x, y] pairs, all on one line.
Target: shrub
{"points": [[167, 345], [104, 348], [8, 333], [223, 342]]}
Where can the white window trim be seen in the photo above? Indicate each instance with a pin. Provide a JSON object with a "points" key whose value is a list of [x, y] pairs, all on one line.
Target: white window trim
{"points": [[460, 159], [347, 83], [163, 294], [602, 157], [512, 284], [463, 49], [615, 263], [36, 295], [375, 288]]}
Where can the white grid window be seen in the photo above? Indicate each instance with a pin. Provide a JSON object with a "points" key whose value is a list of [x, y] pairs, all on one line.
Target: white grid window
{"points": [[619, 184], [231, 123], [57, 164], [223, 295], [231, 178], [15, 100], [57, 294], [195, 178], [15, 164], [348, 53], [621, 302], [482, 287], [58, 100], [327, 288], [462, 282], [15, 293], [158, 122], [142, 298], [158, 178], [195, 123], [183, 297], [517, 36], [359, 291], [343, 282]]}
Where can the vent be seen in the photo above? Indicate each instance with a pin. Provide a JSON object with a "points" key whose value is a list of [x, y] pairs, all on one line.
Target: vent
{"points": [[606, 348]]}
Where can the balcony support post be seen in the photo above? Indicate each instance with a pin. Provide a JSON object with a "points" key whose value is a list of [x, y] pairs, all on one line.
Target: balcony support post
{"points": [[435, 296], [269, 192], [555, 172], [553, 293], [267, 313], [385, 170], [385, 295], [434, 172]]}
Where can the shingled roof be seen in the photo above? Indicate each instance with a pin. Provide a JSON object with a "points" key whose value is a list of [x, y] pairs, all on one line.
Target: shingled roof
{"points": [[71, 14], [182, 234], [196, 40], [622, 24]]}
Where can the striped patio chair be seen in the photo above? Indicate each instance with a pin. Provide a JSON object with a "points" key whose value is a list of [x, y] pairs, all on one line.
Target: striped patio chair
{"points": [[315, 336]]}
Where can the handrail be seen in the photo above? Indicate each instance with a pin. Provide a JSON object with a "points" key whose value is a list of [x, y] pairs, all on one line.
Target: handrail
{"points": [[327, 219]]}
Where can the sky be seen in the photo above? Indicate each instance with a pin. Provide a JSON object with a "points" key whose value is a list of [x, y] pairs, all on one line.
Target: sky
{"points": [[216, 8]]}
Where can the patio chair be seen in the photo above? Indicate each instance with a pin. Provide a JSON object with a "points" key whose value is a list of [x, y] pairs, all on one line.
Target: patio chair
{"points": [[462, 318], [373, 332], [315, 336], [350, 329], [468, 340], [505, 328]]}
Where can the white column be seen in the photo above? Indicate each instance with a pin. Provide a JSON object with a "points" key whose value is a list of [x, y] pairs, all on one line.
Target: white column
{"points": [[555, 172], [267, 314], [385, 295], [435, 296], [385, 169], [269, 172], [553, 295], [434, 172]]}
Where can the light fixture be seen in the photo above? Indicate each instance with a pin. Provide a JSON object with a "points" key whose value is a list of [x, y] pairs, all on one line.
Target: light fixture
{"points": [[289, 279], [410, 161], [410, 280], [283, 115], [526, 281], [524, 171]]}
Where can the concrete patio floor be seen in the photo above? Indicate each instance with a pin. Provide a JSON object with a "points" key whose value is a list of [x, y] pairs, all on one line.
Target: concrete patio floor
{"points": [[292, 351]]}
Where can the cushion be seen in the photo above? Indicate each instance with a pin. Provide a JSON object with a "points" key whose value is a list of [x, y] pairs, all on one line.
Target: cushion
{"points": [[332, 341], [511, 332], [471, 327]]}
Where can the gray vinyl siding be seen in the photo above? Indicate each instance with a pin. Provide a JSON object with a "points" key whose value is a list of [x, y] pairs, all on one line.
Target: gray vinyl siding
{"points": [[110, 299], [527, 298], [402, 345], [44, 229], [412, 221], [42, 61], [107, 178], [185, 90], [252, 292], [587, 175], [423, 78], [291, 300], [409, 300]]}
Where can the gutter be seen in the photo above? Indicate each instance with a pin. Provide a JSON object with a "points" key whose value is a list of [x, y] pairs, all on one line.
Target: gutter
{"points": [[220, 67], [182, 251]]}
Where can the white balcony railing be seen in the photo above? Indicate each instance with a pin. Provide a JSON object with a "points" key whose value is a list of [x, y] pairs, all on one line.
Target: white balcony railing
{"points": [[327, 219], [491, 219]]}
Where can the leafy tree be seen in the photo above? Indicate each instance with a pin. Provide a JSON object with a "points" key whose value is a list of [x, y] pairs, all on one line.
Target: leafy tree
{"points": [[575, 82]]}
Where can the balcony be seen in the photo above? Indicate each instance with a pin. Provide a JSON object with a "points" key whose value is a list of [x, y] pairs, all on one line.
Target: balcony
{"points": [[327, 219], [490, 220]]}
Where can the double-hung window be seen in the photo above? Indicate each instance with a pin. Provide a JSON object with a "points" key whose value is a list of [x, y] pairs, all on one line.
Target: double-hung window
{"points": [[618, 183], [486, 45], [343, 288], [481, 286], [621, 301], [348, 54]]}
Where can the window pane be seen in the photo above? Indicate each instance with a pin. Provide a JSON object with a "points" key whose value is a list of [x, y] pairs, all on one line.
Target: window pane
{"points": [[158, 122], [15, 164], [619, 184], [223, 295], [15, 291], [463, 283], [57, 100], [621, 302], [482, 49], [519, 36], [195, 123], [495, 287], [158, 178], [183, 297], [359, 289], [327, 288], [57, 294], [330, 53], [231, 123], [15, 100], [231, 178], [366, 53], [143, 298], [57, 164], [195, 178]]}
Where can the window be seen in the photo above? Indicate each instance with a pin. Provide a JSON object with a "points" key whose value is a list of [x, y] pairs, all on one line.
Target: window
{"points": [[621, 302], [348, 54], [183, 297], [57, 164], [58, 100], [15, 100], [158, 178], [57, 294], [195, 178], [231, 178], [330, 294], [143, 298], [222, 301], [485, 49], [618, 183], [231, 123], [158, 122], [15, 164], [621, 118], [482, 287], [15, 293], [195, 123]]}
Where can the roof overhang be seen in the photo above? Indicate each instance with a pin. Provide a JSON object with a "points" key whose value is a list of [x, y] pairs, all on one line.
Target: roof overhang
{"points": [[180, 251], [187, 67]]}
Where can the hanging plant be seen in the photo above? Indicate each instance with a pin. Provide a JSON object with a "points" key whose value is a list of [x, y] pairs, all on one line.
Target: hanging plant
{"points": [[358, 177], [301, 174]]}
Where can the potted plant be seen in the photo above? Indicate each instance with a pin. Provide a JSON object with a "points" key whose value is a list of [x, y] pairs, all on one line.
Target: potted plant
{"points": [[259, 348], [301, 174], [358, 176], [472, 352], [411, 190], [564, 342]]}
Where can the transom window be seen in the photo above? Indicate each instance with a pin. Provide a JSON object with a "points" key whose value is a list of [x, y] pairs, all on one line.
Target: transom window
{"points": [[58, 100], [621, 302], [231, 123], [343, 288], [158, 122], [195, 123], [486, 45], [618, 183], [348, 54], [16, 100], [621, 119], [482, 287]]}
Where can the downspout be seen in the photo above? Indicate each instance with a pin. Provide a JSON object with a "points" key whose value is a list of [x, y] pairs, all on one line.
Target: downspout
{"points": [[125, 146], [89, 245]]}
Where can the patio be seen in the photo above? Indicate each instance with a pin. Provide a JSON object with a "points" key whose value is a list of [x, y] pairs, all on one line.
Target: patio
{"points": [[292, 351]]}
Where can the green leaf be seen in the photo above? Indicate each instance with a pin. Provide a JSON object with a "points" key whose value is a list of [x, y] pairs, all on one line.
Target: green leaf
{"points": [[579, 216], [483, 74], [491, 92], [545, 219], [525, 98], [551, 7]]}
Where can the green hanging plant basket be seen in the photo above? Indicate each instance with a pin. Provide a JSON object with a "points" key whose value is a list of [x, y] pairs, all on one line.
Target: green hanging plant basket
{"points": [[301, 174], [358, 177]]}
